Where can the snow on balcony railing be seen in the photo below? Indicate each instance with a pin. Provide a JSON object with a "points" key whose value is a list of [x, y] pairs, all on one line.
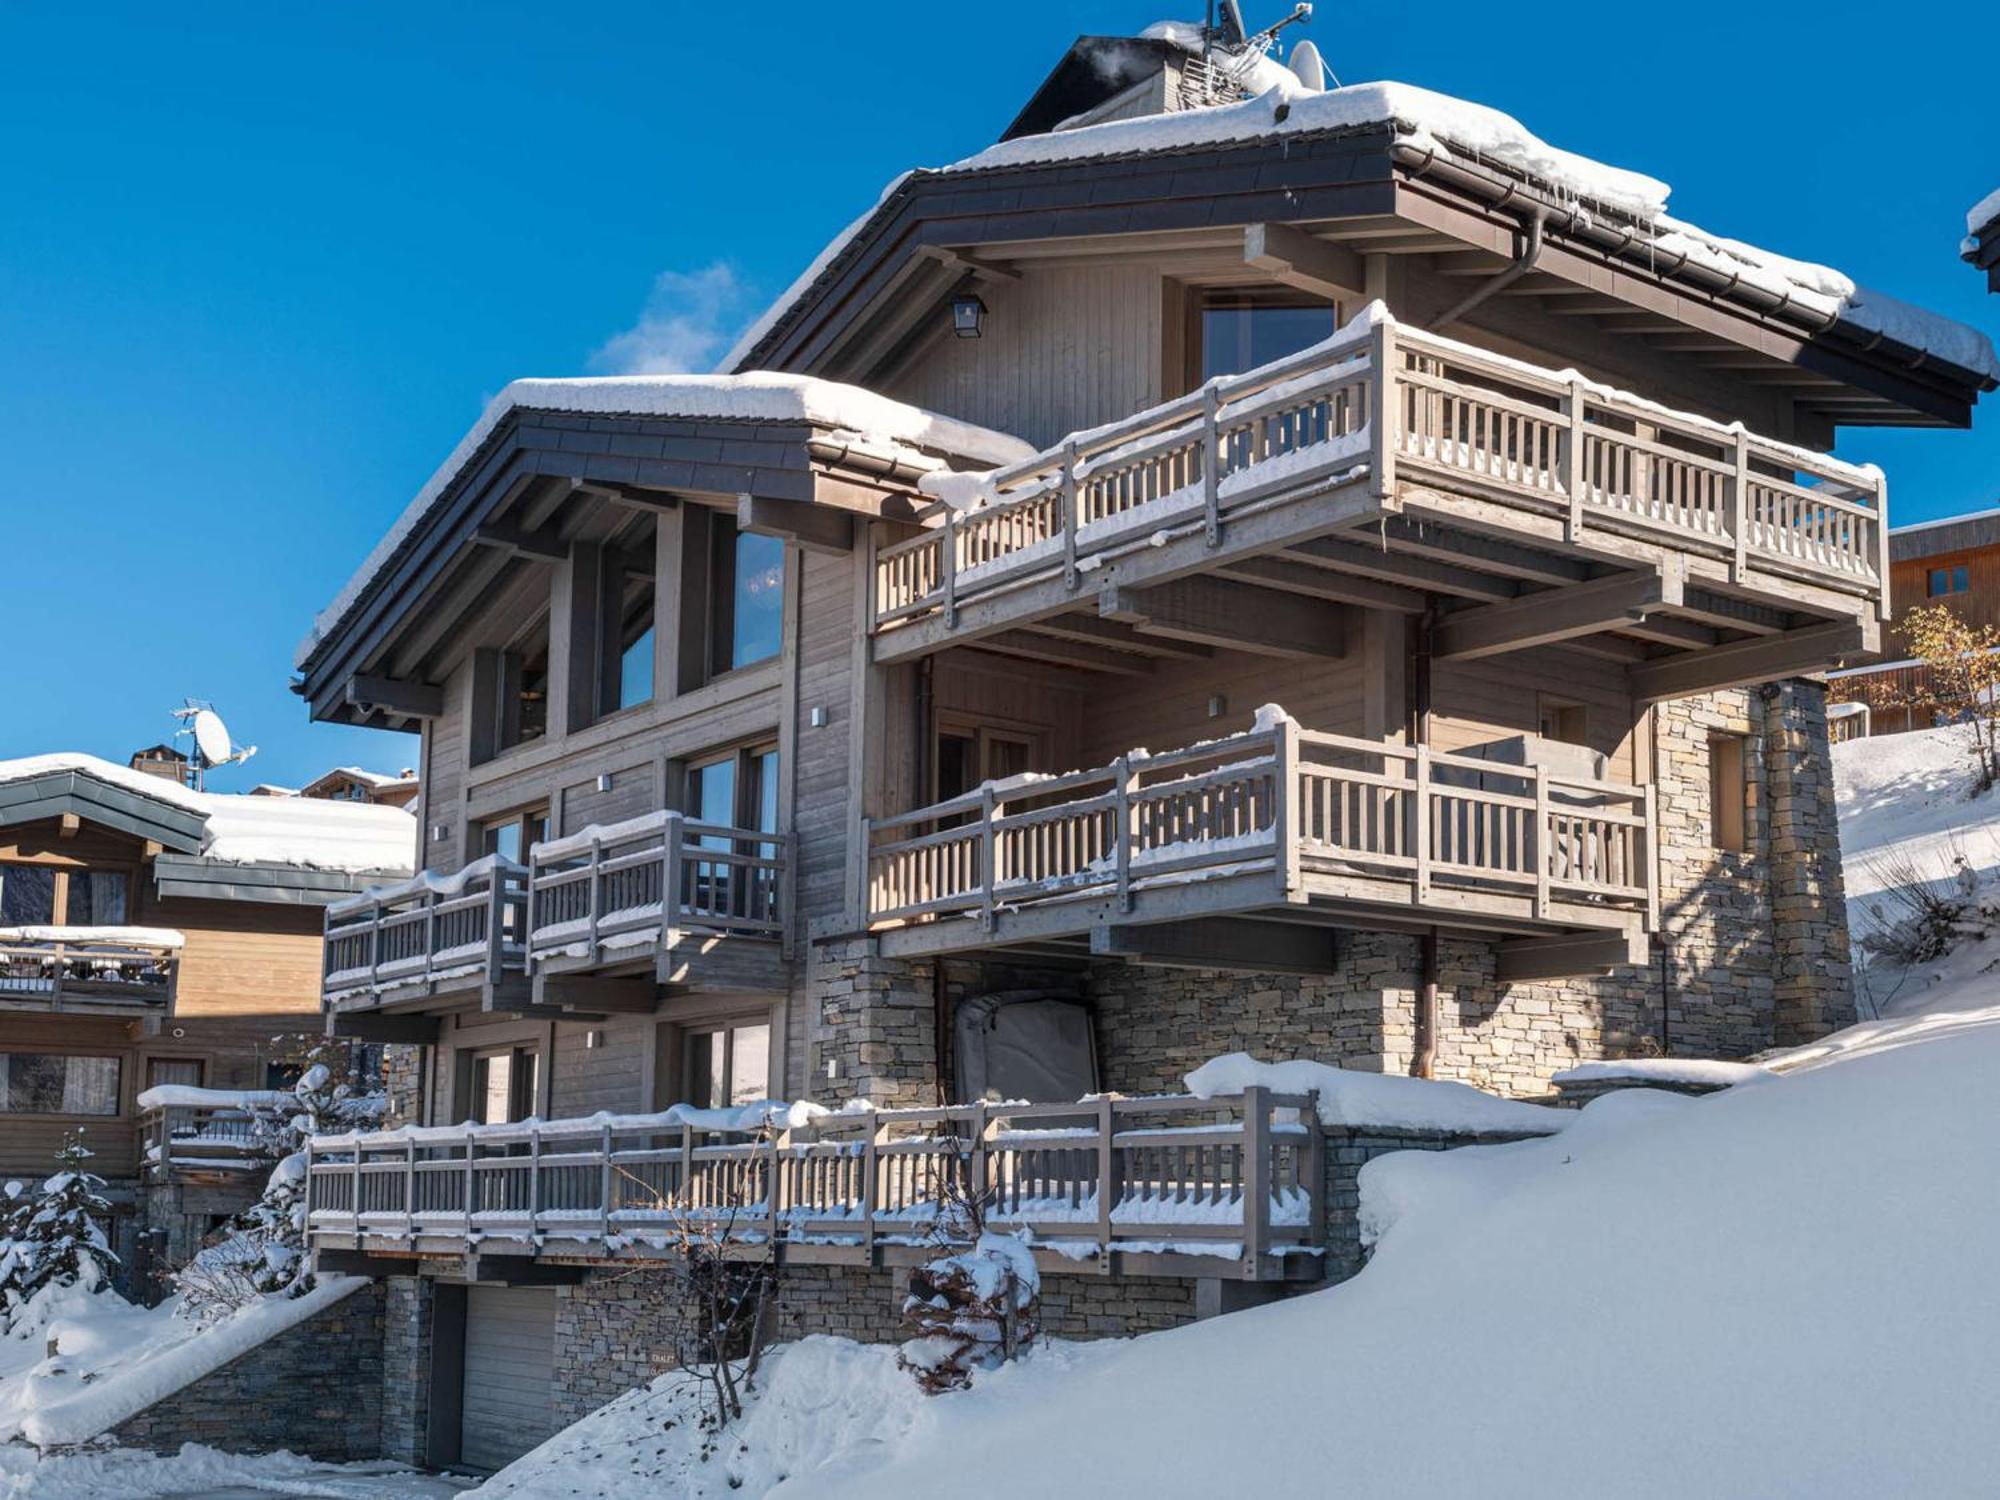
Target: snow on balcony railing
{"points": [[1274, 799], [1235, 1177], [428, 930], [611, 886], [186, 1128], [1381, 398], [88, 969]]}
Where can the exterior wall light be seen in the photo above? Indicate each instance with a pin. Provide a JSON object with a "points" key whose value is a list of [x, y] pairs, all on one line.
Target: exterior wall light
{"points": [[966, 312]]}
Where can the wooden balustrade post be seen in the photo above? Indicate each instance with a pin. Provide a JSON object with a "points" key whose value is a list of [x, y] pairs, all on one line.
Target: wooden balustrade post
{"points": [[1383, 407], [1312, 1170], [1123, 833], [871, 1185], [1541, 848], [1420, 817], [357, 1194], [409, 1192], [430, 932], [778, 1139], [1736, 503], [1107, 1180], [593, 876], [989, 854], [1574, 448], [1068, 518], [1211, 465], [687, 1166], [605, 1185], [948, 567], [1285, 819], [1882, 544], [673, 888], [1649, 861], [496, 925], [471, 1136], [534, 1181], [978, 1168], [375, 941], [1256, 1179]]}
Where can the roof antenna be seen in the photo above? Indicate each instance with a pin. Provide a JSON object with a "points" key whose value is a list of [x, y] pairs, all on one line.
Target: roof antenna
{"points": [[212, 747]]}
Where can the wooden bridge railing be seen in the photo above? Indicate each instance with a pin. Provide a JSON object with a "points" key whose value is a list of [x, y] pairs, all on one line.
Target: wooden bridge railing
{"points": [[1238, 1176], [1276, 798], [1393, 399], [429, 930], [78, 971], [605, 883]]}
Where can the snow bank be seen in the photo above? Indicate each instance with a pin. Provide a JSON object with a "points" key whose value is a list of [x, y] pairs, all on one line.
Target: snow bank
{"points": [[824, 1408], [1382, 1100], [115, 1360], [130, 1474], [760, 395], [348, 837], [1769, 1291], [1690, 1070]]}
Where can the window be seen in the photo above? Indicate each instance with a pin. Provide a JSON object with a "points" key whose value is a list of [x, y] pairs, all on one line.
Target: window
{"points": [[729, 1065], [512, 836], [1952, 580], [970, 754], [1563, 721], [44, 1083], [524, 688], [41, 895], [503, 1085], [1243, 330], [747, 576], [736, 790], [179, 1072], [625, 630], [1728, 793]]}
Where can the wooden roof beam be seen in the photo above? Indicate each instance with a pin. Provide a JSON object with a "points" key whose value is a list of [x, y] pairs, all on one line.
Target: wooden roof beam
{"points": [[1368, 560], [1093, 631], [1315, 582], [1076, 655], [544, 544], [1292, 256], [1235, 616], [409, 700], [1554, 615], [1759, 659], [1220, 943], [816, 528]]}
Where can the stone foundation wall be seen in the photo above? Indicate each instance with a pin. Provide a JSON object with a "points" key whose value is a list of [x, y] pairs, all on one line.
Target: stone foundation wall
{"points": [[407, 1308], [403, 1081], [316, 1389]]}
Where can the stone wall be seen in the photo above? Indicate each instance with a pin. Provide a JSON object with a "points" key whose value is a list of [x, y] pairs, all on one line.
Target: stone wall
{"points": [[1347, 1152], [316, 1389], [1815, 979], [403, 1081], [407, 1315]]}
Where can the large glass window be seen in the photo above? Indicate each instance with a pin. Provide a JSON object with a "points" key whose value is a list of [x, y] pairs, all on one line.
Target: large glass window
{"points": [[729, 1065], [96, 898], [503, 1085], [747, 574], [27, 896], [524, 688], [512, 836], [46, 1083], [628, 628], [1241, 333]]}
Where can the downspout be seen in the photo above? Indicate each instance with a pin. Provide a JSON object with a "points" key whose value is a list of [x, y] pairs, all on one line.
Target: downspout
{"points": [[1526, 261], [1423, 1052]]}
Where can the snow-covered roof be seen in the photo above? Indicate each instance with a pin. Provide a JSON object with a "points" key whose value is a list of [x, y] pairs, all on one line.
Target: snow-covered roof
{"points": [[371, 778], [348, 837], [1971, 515], [1455, 128], [1983, 213], [872, 420]]}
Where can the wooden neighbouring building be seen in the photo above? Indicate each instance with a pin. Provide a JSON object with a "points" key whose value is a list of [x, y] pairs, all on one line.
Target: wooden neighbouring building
{"points": [[156, 937], [1243, 576]]}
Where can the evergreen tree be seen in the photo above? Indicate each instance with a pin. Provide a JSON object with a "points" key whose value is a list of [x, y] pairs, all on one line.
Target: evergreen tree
{"points": [[55, 1237]]}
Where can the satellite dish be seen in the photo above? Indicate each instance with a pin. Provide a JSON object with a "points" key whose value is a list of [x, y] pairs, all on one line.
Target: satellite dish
{"points": [[211, 736], [1230, 30], [1307, 65]]}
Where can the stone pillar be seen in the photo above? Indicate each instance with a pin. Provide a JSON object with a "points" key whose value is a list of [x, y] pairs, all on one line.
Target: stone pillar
{"points": [[1812, 970], [875, 1021], [403, 1081], [407, 1303]]}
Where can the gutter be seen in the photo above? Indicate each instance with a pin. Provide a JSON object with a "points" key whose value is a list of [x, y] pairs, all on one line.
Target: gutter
{"points": [[1526, 261]]}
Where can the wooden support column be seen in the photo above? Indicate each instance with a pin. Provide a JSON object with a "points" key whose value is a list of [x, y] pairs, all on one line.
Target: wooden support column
{"points": [[573, 626]]}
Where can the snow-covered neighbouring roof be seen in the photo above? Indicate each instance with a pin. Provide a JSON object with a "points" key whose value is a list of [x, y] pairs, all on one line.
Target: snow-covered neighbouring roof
{"points": [[127, 937], [1455, 129], [1971, 515], [346, 837], [872, 420], [370, 778], [1983, 213]]}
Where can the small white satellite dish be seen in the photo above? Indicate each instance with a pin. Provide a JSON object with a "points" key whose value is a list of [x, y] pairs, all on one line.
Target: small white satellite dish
{"points": [[211, 736], [1309, 67]]}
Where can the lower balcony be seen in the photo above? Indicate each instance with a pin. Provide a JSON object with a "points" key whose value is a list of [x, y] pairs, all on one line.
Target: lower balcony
{"points": [[437, 937], [658, 899], [1167, 1185], [128, 972], [213, 1135], [1245, 850]]}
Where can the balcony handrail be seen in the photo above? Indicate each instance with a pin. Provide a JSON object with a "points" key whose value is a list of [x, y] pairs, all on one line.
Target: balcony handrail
{"points": [[106, 957], [210, 1136], [1389, 395], [427, 929], [1244, 1169], [659, 870], [1276, 795]]}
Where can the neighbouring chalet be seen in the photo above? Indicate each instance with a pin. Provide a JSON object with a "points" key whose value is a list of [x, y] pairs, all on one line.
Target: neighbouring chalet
{"points": [[1955, 562], [1982, 238], [162, 944], [1325, 575]]}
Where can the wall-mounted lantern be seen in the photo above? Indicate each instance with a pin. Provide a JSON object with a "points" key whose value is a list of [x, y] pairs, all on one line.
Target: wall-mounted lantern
{"points": [[966, 311]]}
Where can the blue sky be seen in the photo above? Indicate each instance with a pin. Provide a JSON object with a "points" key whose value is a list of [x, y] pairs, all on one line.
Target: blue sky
{"points": [[260, 266]]}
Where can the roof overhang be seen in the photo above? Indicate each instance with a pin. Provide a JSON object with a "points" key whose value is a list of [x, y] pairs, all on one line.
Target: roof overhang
{"points": [[539, 473], [1938, 538], [926, 236], [78, 794], [190, 876], [1982, 249]]}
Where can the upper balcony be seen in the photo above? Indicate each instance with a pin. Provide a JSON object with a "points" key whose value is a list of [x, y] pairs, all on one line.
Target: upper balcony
{"points": [[596, 919], [1287, 832], [128, 972], [1392, 468]]}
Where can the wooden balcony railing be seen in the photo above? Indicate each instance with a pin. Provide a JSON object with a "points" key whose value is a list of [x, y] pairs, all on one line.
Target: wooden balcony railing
{"points": [[462, 928], [238, 1133], [1396, 401], [612, 887], [1229, 1178], [84, 970], [1283, 799]]}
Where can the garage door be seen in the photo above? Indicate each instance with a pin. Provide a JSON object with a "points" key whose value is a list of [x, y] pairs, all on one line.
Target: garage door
{"points": [[510, 1353]]}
